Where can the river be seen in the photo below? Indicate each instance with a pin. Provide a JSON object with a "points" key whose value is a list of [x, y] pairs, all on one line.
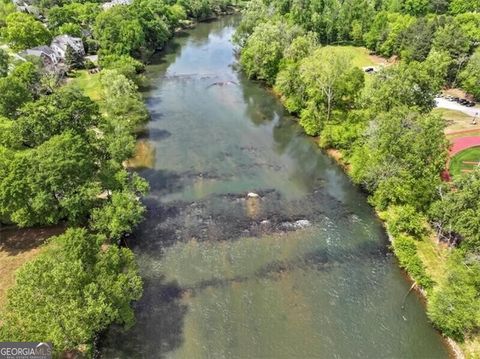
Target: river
{"points": [[302, 271]]}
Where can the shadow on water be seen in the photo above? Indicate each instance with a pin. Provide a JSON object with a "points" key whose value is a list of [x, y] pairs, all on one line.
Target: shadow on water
{"points": [[159, 322], [162, 181], [153, 134]]}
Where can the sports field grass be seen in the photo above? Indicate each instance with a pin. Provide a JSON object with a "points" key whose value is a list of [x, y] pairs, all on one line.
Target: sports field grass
{"points": [[464, 161]]}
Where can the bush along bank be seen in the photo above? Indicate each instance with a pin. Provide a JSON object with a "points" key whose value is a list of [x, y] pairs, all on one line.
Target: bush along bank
{"points": [[62, 159], [389, 140]]}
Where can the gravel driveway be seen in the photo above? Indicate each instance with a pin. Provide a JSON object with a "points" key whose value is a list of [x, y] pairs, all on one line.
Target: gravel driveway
{"points": [[452, 105]]}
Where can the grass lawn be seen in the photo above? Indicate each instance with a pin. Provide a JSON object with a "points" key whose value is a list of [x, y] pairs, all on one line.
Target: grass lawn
{"points": [[360, 55], [18, 246], [461, 134], [458, 165], [434, 257], [456, 120], [89, 83]]}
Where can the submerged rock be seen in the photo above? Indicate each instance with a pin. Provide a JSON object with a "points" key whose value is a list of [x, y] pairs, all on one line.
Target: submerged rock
{"points": [[302, 223]]}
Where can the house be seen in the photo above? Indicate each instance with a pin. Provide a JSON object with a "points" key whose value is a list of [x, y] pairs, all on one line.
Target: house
{"points": [[46, 53], [113, 3], [25, 6], [60, 44]]}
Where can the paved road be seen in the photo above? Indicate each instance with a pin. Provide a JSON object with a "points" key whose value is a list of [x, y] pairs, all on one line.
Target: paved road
{"points": [[452, 105]]}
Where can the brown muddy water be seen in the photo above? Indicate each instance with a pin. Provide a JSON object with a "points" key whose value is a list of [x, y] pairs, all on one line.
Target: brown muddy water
{"points": [[302, 271]]}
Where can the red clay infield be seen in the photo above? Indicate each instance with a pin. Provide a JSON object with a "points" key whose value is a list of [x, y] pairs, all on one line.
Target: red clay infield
{"points": [[459, 144]]}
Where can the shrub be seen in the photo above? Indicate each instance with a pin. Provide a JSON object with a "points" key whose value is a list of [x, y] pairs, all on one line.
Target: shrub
{"points": [[406, 251], [454, 306], [405, 219]]}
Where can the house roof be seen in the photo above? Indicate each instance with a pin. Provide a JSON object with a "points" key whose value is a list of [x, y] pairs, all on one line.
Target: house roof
{"points": [[47, 50], [63, 40]]}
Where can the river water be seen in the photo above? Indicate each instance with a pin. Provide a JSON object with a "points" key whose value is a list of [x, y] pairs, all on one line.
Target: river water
{"points": [[302, 271]]}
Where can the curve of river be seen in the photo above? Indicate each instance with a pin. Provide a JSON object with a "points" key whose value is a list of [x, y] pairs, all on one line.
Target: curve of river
{"points": [[303, 271]]}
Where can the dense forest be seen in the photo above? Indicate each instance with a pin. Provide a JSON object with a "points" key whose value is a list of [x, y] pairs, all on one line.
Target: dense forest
{"points": [[382, 124], [62, 160]]}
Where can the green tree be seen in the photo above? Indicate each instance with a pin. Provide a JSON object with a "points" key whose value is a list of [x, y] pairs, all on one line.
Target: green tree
{"points": [[14, 94], [263, 51], [331, 82], [416, 40], [70, 29], [124, 64], [405, 219], [455, 214], [470, 76], [386, 32], [451, 39], [65, 110], [29, 74], [462, 6], [454, 305], [71, 292], [288, 82], [157, 22], [124, 111], [51, 182], [414, 84], [75, 13], [22, 31], [400, 158], [4, 60], [6, 8], [469, 23], [119, 216], [119, 32], [416, 7], [199, 9], [8, 135]]}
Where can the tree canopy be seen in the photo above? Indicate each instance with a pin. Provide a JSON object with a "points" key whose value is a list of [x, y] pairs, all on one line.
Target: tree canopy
{"points": [[71, 292], [22, 31]]}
